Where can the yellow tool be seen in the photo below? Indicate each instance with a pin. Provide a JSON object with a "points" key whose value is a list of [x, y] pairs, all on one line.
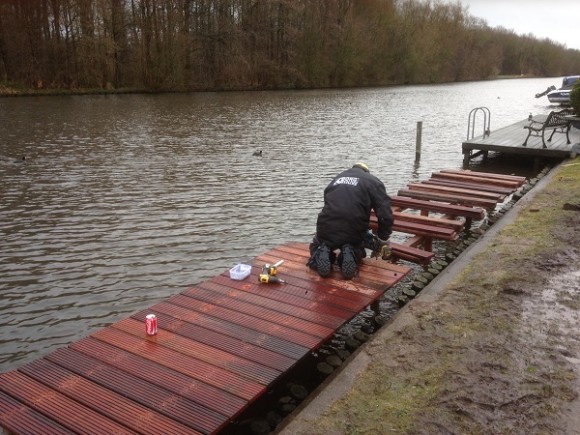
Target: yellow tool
{"points": [[382, 250], [385, 252], [269, 272]]}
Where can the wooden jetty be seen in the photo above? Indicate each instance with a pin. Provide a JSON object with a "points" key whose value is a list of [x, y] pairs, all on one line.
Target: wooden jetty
{"points": [[222, 343], [510, 139]]}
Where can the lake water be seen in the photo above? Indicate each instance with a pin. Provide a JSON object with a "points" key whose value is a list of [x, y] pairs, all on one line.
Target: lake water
{"points": [[126, 200]]}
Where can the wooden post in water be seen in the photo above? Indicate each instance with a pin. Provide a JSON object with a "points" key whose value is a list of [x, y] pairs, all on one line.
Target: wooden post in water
{"points": [[418, 141]]}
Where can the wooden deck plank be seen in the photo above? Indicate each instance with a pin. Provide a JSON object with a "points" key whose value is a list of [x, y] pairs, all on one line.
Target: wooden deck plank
{"points": [[454, 224], [270, 315], [486, 175], [467, 185], [260, 332], [395, 269], [151, 348], [364, 288], [376, 272], [433, 227], [137, 405], [304, 293], [471, 178], [224, 333], [438, 207], [373, 278], [368, 267], [257, 324], [420, 229], [457, 190], [319, 316], [410, 253], [206, 395], [452, 199], [19, 418], [394, 272], [361, 283], [231, 362], [347, 295], [240, 356], [58, 407], [364, 284], [307, 300]]}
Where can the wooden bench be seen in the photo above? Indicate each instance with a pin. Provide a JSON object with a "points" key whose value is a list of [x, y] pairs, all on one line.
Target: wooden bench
{"points": [[555, 121]]}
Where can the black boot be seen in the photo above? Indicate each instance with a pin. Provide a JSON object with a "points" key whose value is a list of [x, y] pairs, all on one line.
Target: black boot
{"points": [[322, 258], [348, 265]]}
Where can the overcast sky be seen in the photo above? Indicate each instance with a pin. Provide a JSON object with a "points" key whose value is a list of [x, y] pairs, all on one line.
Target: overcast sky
{"points": [[558, 20]]}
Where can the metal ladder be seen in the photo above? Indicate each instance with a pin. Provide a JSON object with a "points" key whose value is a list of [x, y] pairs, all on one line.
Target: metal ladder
{"points": [[472, 119]]}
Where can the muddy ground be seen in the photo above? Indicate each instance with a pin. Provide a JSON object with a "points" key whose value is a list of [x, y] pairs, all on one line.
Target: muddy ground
{"points": [[492, 349]]}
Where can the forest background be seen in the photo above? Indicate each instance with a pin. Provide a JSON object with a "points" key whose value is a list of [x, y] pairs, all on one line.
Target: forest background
{"points": [[195, 45]]}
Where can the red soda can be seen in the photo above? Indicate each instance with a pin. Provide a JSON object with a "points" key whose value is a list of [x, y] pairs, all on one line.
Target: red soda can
{"points": [[151, 324]]}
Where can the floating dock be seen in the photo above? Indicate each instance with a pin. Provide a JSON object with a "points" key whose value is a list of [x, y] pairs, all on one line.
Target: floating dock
{"points": [[222, 343], [510, 139]]}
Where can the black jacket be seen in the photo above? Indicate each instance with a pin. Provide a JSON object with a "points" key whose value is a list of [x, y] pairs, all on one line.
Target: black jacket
{"points": [[348, 201]]}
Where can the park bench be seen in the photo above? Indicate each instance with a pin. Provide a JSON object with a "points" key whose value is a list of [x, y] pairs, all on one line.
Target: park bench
{"points": [[555, 121]]}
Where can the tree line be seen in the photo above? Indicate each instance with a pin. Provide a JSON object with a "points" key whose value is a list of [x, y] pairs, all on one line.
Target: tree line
{"points": [[184, 45]]}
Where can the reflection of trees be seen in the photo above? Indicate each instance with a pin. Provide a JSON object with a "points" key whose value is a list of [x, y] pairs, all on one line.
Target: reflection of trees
{"points": [[249, 44]]}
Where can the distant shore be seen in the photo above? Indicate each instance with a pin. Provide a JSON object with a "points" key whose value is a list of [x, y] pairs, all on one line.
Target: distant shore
{"points": [[15, 91]]}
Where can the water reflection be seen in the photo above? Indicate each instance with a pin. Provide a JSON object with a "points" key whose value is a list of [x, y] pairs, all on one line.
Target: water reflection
{"points": [[126, 200]]}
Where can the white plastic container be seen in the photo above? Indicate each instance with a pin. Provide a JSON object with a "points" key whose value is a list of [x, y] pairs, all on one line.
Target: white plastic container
{"points": [[240, 271]]}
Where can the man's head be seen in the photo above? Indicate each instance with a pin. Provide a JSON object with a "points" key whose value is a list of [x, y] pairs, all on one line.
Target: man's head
{"points": [[361, 165]]}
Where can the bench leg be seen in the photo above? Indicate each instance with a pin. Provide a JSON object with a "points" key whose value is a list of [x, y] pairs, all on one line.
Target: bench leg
{"points": [[526, 141], [543, 141], [564, 130]]}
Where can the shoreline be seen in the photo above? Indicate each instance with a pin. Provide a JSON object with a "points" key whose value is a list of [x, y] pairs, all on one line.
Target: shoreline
{"points": [[7, 91]]}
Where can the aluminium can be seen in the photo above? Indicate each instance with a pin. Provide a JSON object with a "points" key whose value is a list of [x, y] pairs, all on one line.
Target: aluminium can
{"points": [[151, 324]]}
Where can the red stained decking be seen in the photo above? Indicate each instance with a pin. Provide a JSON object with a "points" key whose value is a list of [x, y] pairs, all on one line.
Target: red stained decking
{"points": [[221, 344]]}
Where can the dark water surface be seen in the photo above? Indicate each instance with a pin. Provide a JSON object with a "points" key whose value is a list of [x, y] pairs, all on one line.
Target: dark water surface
{"points": [[126, 200]]}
